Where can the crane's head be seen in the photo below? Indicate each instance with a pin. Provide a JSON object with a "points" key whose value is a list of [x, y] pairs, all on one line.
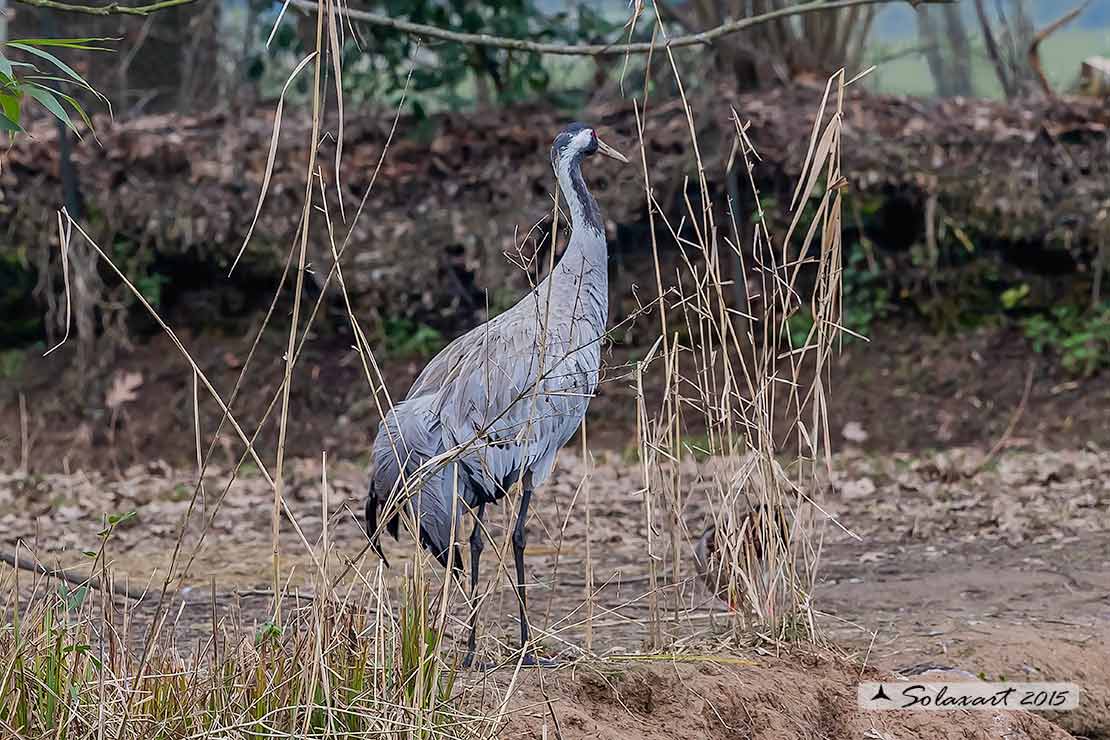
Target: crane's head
{"points": [[577, 141]]}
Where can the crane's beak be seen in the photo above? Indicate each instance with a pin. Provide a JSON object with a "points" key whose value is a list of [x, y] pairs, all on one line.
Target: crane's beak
{"points": [[608, 151]]}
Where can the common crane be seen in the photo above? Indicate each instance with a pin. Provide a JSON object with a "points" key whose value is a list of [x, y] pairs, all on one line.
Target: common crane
{"points": [[495, 406]]}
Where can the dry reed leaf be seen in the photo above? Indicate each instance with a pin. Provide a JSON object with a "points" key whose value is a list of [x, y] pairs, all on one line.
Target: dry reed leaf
{"points": [[271, 157]]}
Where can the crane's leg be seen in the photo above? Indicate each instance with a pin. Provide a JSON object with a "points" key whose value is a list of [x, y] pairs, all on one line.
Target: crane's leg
{"points": [[519, 538], [476, 545]]}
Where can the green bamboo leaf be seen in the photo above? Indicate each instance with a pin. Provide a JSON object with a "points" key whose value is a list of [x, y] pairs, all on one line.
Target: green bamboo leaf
{"points": [[9, 106], [7, 124], [67, 43], [65, 80], [6, 67], [50, 58], [17, 65], [46, 97], [77, 107]]}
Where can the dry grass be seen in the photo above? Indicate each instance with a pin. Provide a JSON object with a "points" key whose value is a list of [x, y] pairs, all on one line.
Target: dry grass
{"points": [[360, 660], [336, 668]]}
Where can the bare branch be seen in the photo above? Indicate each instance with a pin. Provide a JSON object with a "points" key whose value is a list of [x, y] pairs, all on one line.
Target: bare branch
{"points": [[694, 39], [1009, 86], [114, 8], [482, 39], [1034, 48]]}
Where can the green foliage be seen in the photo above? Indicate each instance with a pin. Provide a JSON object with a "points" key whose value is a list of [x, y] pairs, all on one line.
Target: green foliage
{"points": [[444, 75], [698, 446], [1013, 297], [20, 320], [50, 662], [72, 598], [866, 299], [404, 337], [268, 631], [1081, 339], [799, 325], [421, 671], [112, 521], [501, 299], [151, 287], [22, 82], [138, 262], [12, 362]]}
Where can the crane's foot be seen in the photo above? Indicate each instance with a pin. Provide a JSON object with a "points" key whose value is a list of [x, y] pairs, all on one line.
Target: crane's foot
{"points": [[530, 660], [470, 664], [535, 661]]}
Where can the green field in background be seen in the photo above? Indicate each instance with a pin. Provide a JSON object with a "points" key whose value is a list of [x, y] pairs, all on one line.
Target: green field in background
{"points": [[1061, 55]]}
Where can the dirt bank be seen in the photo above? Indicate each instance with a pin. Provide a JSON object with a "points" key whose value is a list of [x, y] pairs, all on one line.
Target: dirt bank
{"points": [[905, 391], [792, 696]]}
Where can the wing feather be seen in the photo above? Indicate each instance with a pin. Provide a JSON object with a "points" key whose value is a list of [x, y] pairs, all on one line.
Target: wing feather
{"points": [[517, 396], [407, 439], [503, 398]]}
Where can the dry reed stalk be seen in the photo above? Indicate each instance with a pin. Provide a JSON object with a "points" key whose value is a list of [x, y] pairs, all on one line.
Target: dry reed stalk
{"points": [[732, 380], [275, 519], [743, 382]]}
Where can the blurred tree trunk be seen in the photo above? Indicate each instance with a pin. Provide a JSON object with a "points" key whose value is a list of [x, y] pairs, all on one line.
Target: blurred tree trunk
{"points": [[947, 50], [1007, 38], [960, 67], [993, 51], [147, 71], [934, 50], [199, 52]]}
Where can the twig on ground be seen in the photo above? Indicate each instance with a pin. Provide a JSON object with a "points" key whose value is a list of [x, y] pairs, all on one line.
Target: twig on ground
{"points": [[28, 562], [1009, 428]]}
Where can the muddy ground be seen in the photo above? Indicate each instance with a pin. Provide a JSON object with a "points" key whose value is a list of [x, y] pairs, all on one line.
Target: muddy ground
{"points": [[1002, 573], [995, 569]]}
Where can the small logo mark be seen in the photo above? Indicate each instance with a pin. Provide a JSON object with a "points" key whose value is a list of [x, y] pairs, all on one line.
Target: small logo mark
{"points": [[1056, 697]]}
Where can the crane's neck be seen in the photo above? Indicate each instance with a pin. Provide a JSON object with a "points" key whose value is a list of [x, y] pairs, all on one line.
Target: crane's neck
{"points": [[580, 282], [587, 234]]}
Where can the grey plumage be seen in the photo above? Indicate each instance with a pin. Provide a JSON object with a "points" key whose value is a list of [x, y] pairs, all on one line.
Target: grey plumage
{"points": [[496, 405]]}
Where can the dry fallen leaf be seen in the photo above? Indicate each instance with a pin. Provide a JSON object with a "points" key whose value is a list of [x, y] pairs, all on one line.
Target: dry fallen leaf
{"points": [[854, 432], [124, 385], [857, 488]]}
